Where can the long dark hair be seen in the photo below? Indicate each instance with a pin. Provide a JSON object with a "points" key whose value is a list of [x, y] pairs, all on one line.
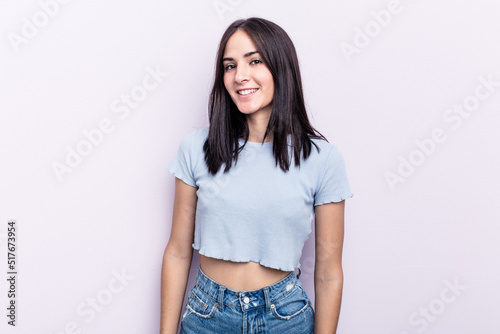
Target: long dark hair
{"points": [[288, 115]]}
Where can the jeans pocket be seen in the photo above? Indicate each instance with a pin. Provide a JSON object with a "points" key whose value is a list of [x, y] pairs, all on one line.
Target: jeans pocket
{"points": [[295, 303], [201, 305]]}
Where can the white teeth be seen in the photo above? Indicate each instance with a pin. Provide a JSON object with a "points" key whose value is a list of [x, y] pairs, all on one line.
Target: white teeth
{"points": [[247, 91]]}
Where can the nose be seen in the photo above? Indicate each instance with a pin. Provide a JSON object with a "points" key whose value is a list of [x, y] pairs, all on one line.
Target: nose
{"points": [[242, 74]]}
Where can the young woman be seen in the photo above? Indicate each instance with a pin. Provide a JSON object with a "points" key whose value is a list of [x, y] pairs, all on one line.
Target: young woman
{"points": [[246, 191]]}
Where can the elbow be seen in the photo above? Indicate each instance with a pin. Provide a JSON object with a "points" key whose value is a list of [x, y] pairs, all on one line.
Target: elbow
{"points": [[176, 252], [331, 275]]}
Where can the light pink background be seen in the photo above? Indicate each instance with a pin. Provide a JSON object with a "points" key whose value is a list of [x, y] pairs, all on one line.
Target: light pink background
{"points": [[405, 245]]}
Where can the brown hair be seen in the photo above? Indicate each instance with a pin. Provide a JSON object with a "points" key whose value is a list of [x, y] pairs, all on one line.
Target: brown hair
{"points": [[288, 115]]}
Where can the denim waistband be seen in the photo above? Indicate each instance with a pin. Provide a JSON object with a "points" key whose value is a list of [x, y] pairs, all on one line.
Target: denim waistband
{"points": [[246, 300]]}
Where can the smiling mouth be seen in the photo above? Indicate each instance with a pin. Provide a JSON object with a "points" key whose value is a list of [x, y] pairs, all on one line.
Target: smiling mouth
{"points": [[247, 91]]}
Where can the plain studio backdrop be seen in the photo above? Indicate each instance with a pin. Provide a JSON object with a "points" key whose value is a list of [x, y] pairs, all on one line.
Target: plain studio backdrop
{"points": [[97, 95]]}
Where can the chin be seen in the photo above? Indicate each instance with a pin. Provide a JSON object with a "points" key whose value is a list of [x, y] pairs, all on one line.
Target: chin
{"points": [[250, 109], [246, 110]]}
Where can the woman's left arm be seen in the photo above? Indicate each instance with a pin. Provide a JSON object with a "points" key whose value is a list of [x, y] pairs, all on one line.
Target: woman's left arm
{"points": [[328, 274]]}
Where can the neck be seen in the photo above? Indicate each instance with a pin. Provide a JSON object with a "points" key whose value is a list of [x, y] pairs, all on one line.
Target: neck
{"points": [[257, 125]]}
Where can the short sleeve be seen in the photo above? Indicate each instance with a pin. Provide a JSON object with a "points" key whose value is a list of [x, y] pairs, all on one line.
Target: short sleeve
{"points": [[182, 163], [334, 185]]}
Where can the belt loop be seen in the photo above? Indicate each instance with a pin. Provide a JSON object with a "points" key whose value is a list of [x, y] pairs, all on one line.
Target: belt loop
{"points": [[220, 299], [300, 272], [267, 299]]}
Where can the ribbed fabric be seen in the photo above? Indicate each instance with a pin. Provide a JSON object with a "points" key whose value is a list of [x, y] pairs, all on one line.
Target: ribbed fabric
{"points": [[256, 212]]}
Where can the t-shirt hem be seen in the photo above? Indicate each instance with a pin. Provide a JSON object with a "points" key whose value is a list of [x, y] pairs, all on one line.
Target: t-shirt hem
{"points": [[335, 199], [218, 255], [181, 176]]}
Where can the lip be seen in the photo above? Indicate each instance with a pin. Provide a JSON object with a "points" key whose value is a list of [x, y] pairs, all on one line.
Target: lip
{"points": [[248, 95]]}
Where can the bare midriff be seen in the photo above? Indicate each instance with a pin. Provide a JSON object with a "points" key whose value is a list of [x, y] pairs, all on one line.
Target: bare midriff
{"points": [[240, 276]]}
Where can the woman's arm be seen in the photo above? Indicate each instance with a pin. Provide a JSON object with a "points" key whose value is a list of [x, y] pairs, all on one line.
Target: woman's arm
{"points": [[328, 275], [177, 257]]}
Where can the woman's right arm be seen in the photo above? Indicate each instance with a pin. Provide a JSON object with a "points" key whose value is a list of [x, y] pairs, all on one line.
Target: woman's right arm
{"points": [[177, 257]]}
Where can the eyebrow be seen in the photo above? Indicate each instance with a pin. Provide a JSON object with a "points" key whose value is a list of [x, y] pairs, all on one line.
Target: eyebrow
{"points": [[248, 54]]}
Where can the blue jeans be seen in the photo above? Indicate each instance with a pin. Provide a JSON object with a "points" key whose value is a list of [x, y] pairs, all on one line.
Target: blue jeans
{"points": [[282, 307]]}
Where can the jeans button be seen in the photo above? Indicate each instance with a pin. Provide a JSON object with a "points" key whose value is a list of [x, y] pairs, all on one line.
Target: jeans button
{"points": [[246, 300]]}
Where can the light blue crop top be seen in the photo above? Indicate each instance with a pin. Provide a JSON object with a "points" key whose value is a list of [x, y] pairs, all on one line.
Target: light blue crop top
{"points": [[256, 212]]}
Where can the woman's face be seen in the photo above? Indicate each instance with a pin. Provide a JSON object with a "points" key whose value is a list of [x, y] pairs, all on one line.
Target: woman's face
{"points": [[246, 78]]}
